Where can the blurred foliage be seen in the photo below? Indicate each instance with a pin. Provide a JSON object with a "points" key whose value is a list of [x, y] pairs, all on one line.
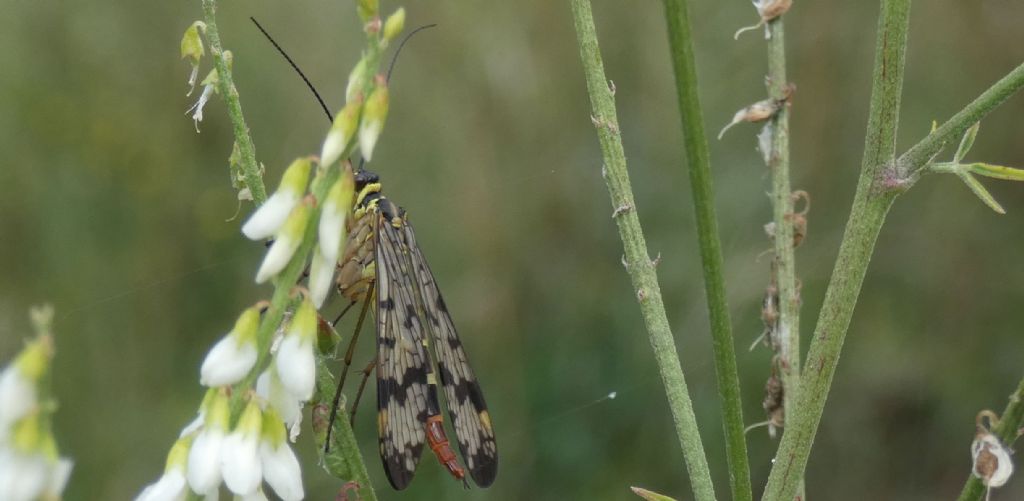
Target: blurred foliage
{"points": [[115, 210]]}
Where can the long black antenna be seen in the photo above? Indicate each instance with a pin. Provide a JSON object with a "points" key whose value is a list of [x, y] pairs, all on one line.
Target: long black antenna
{"points": [[299, 71], [394, 59]]}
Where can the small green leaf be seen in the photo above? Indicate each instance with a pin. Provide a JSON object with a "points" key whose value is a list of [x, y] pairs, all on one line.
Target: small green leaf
{"points": [[935, 125], [650, 495], [996, 171], [981, 192], [966, 142]]}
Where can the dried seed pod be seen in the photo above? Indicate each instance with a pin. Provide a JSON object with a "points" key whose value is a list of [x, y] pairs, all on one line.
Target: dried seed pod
{"points": [[757, 112], [768, 10], [774, 403], [990, 458]]}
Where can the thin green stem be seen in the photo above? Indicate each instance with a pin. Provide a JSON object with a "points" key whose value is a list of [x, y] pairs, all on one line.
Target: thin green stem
{"points": [[1007, 430], [343, 460], [784, 217], [917, 157], [638, 263], [251, 175], [870, 207], [698, 160]]}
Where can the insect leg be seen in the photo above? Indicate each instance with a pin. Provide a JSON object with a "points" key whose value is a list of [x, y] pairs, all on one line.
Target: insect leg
{"points": [[362, 385], [347, 363]]}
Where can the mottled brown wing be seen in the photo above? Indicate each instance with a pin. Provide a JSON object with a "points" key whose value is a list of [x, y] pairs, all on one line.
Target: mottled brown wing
{"points": [[404, 398], [466, 406]]}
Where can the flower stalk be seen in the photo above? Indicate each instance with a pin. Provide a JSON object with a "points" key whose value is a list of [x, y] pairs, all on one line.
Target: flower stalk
{"points": [[252, 175], [698, 161], [638, 263]]}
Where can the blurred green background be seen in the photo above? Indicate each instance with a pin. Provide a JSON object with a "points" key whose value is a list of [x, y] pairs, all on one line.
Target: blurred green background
{"points": [[116, 211]]}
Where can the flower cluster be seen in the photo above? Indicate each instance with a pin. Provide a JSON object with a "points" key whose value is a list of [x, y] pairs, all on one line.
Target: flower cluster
{"points": [[30, 466], [262, 372], [254, 448]]}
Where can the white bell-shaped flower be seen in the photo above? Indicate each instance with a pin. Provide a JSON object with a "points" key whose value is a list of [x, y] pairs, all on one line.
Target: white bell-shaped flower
{"points": [[240, 461], [234, 355], [270, 216], [295, 361]]}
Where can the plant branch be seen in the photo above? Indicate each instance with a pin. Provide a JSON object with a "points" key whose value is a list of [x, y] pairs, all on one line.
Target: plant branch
{"points": [[870, 207], [638, 263], [698, 160], [251, 175], [917, 157], [783, 215], [1007, 430]]}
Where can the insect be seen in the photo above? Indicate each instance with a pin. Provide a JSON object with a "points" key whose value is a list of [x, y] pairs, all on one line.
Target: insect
{"points": [[383, 263]]}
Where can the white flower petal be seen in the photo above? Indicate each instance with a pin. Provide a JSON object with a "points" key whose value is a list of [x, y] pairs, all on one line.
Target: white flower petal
{"points": [[59, 475], [269, 217], [17, 398], [288, 407], [296, 366], [277, 257], [334, 146], [204, 460], [256, 496], [194, 426], [170, 487], [197, 109], [320, 275], [281, 470], [240, 463], [22, 476], [368, 135], [332, 226], [227, 363]]}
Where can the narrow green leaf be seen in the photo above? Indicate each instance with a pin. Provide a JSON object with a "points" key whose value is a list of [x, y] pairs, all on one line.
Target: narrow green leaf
{"points": [[966, 142], [996, 171], [650, 495], [981, 192]]}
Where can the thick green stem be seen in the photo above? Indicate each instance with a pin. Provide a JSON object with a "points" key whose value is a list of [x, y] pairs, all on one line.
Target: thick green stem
{"points": [[784, 218], [698, 160], [251, 174], [871, 203], [638, 263], [1007, 430]]}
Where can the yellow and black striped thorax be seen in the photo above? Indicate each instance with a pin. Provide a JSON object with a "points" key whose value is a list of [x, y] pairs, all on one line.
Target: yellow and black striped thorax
{"points": [[371, 200]]}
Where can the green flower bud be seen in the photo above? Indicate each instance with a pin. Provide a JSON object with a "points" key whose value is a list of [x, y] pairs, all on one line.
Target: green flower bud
{"points": [[367, 9], [374, 115], [394, 25], [192, 43]]}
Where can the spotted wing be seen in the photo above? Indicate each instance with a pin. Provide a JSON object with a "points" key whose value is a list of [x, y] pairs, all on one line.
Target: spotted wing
{"points": [[462, 392], [404, 397]]}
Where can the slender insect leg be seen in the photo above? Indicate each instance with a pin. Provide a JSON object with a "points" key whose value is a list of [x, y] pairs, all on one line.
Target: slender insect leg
{"points": [[362, 385], [342, 314], [348, 363], [350, 351]]}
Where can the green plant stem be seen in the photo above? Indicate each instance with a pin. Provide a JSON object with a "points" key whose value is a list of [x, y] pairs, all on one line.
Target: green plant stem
{"points": [[870, 207], [1007, 430], [783, 216], [251, 175], [917, 157], [344, 460], [638, 263], [698, 160], [284, 285]]}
